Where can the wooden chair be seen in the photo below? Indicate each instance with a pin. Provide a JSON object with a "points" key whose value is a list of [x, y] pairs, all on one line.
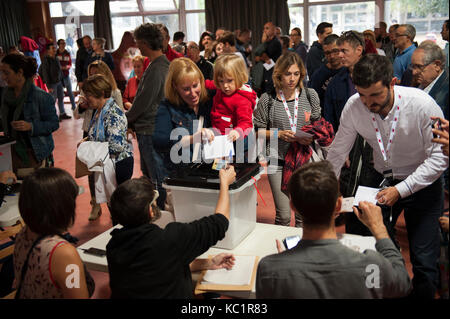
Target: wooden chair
{"points": [[8, 250]]}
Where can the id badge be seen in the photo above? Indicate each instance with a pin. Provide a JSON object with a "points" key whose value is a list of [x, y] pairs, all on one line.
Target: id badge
{"points": [[388, 174], [388, 178]]}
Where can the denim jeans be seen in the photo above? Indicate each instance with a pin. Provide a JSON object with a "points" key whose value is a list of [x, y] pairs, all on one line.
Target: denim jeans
{"points": [[58, 94], [281, 200], [151, 165], [68, 85]]}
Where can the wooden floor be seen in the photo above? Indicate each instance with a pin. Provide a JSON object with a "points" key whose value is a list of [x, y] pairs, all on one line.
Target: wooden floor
{"points": [[66, 139]]}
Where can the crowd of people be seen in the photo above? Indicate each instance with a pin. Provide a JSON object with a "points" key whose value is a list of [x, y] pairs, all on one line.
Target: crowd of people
{"points": [[376, 101]]}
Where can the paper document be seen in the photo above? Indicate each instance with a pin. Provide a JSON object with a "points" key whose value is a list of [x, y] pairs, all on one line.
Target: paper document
{"points": [[301, 133], [240, 274], [367, 194], [356, 242], [347, 205], [218, 148]]}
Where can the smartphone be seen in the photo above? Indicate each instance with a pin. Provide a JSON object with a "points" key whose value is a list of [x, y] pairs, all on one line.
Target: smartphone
{"points": [[95, 251], [433, 123], [291, 241]]}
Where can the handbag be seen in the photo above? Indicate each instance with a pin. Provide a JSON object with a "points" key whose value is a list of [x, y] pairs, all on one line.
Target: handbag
{"points": [[81, 168]]}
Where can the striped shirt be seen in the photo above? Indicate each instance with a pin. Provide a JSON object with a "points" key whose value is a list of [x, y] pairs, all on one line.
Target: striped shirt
{"points": [[278, 118]]}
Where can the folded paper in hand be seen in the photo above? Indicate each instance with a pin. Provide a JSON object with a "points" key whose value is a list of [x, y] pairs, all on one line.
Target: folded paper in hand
{"points": [[367, 194], [219, 147]]}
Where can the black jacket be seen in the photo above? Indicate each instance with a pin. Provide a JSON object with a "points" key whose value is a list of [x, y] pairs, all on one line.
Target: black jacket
{"points": [[150, 262], [50, 70], [206, 67], [315, 58], [80, 61]]}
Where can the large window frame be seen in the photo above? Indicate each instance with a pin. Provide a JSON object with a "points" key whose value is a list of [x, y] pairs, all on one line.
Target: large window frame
{"points": [[307, 4], [308, 35], [181, 12]]}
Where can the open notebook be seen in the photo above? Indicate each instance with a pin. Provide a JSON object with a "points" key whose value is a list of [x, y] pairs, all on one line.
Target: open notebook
{"points": [[240, 277]]}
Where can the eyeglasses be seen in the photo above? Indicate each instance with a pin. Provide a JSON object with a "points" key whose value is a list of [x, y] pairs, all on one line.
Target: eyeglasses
{"points": [[334, 51], [353, 34], [419, 67], [294, 35], [400, 35]]}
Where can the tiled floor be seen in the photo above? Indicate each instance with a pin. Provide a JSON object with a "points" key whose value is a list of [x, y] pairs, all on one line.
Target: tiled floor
{"points": [[66, 139]]}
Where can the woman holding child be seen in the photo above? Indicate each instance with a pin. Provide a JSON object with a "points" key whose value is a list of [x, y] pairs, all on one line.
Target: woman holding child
{"points": [[186, 102], [279, 115]]}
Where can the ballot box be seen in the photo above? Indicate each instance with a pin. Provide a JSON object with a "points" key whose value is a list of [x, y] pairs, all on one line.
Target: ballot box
{"points": [[5, 153], [195, 191]]}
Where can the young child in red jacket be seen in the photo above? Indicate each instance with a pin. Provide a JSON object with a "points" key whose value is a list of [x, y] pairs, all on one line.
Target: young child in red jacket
{"points": [[234, 101]]}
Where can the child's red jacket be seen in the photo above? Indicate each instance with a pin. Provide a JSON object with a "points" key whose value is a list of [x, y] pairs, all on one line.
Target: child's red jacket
{"points": [[234, 111]]}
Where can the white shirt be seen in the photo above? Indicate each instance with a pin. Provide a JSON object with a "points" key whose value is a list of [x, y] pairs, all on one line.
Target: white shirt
{"points": [[412, 156], [430, 86]]}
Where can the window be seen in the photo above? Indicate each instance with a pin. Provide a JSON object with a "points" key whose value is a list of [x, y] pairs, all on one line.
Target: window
{"points": [[196, 25], [297, 20], [357, 16], [64, 9], [169, 20], [423, 15], [123, 6], [195, 4], [160, 5], [121, 25]]}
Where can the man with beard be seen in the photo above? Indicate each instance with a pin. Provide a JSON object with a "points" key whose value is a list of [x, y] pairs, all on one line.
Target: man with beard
{"points": [[396, 122], [358, 168]]}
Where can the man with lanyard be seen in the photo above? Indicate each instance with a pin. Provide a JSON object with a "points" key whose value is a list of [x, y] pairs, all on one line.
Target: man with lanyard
{"points": [[396, 122]]}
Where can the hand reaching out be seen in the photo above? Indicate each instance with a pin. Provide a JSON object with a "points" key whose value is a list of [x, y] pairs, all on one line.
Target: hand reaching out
{"points": [[233, 135], [223, 260]]}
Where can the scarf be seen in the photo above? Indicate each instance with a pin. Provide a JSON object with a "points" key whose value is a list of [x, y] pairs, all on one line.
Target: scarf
{"points": [[99, 123], [298, 154], [11, 103]]}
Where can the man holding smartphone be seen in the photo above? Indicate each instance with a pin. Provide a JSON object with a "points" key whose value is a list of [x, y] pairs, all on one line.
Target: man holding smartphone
{"points": [[320, 266]]}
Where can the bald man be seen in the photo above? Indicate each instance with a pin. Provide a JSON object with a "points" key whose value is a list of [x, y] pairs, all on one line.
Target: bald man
{"points": [[272, 44]]}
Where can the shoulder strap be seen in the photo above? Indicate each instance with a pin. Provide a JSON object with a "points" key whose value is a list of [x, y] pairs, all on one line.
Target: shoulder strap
{"points": [[308, 95], [25, 265], [270, 108]]}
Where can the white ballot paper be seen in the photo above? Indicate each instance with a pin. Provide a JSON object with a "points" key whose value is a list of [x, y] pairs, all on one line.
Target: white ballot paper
{"points": [[347, 205], [367, 194], [240, 274], [357, 243], [219, 147]]}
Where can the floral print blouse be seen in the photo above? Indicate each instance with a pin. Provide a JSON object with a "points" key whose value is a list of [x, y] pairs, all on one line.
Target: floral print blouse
{"points": [[109, 124]]}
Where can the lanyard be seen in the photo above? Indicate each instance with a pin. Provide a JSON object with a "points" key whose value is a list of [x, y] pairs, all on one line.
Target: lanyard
{"points": [[391, 135], [292, 122]]}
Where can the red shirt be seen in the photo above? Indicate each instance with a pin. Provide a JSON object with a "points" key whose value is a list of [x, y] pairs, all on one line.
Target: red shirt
{"points": [[171, 54], [232, 111], [130, 90]]}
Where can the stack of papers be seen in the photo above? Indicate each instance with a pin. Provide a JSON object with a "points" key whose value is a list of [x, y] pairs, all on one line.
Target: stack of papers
{"points": [[240, 274]]}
